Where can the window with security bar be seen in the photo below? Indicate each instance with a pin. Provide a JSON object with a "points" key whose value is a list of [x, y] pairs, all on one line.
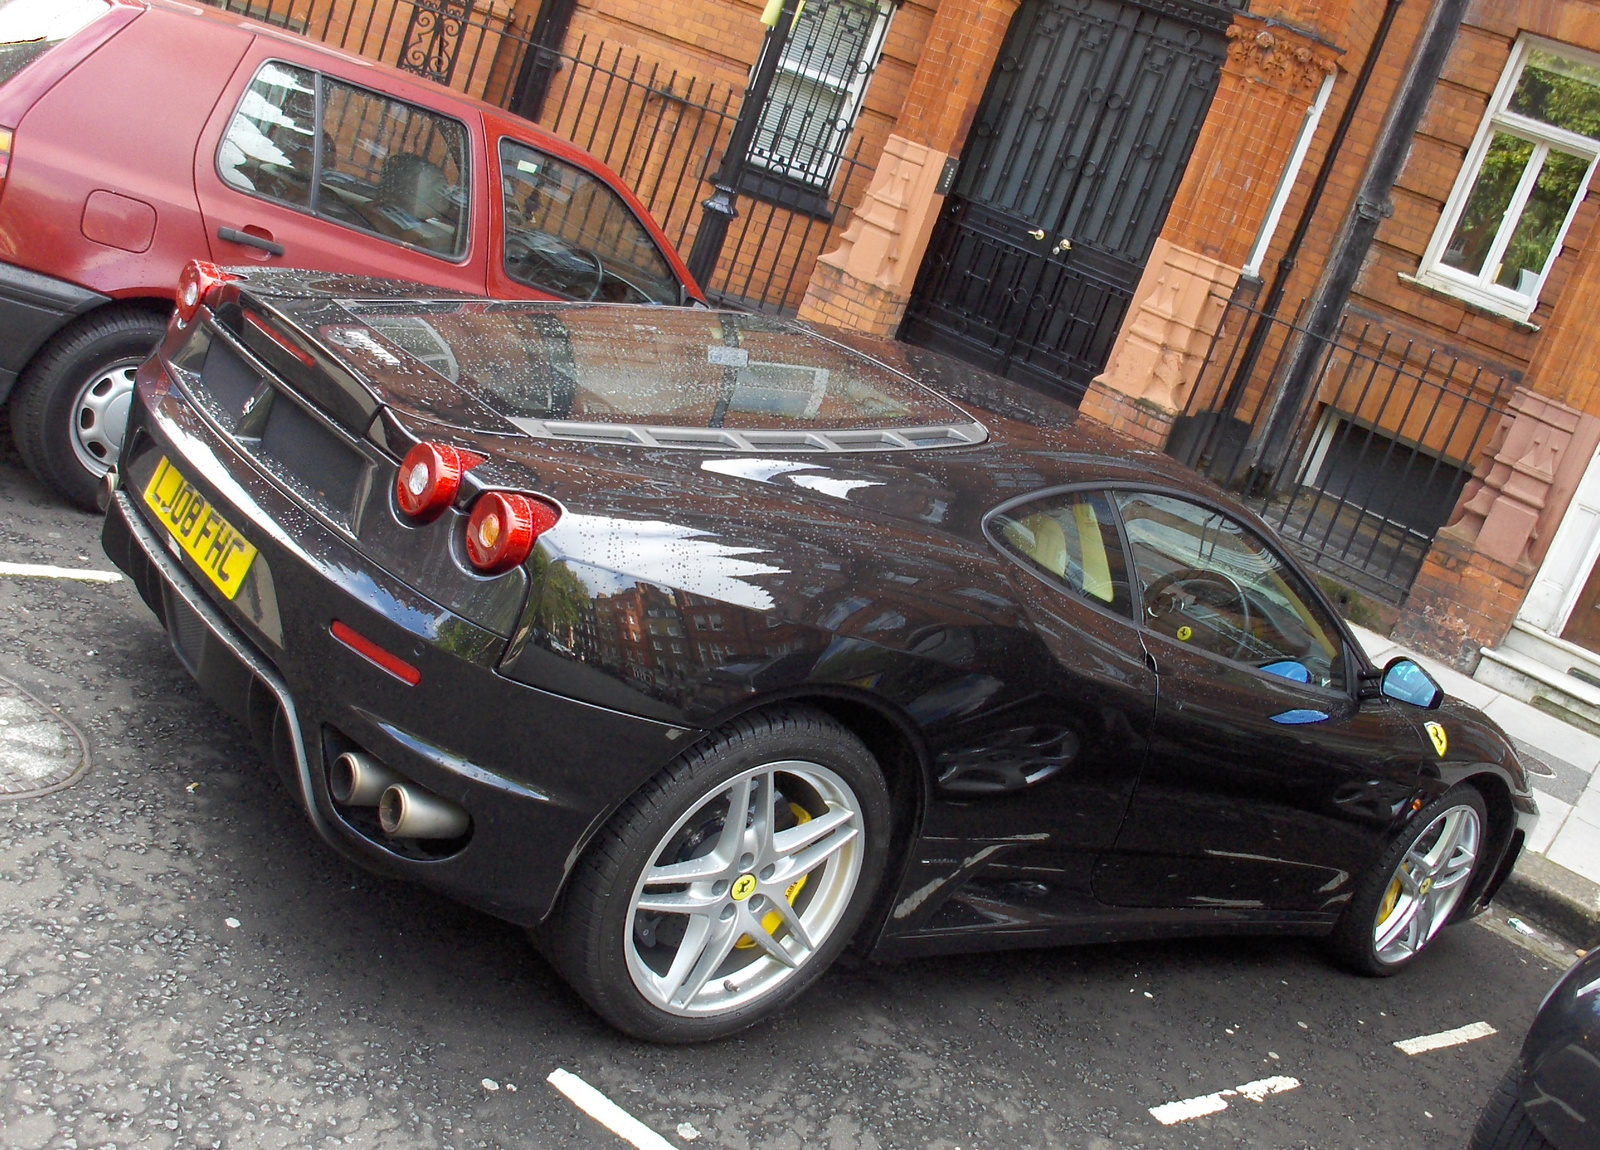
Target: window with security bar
{"points": [[832, 49], [1526, 174]]}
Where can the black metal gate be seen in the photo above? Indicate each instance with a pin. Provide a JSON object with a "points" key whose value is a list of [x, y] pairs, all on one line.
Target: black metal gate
{"points": [[1078, 149]]}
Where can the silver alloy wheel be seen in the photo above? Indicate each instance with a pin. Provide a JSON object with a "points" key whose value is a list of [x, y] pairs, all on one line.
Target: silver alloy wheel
{"points": [[1427, 884], [689, 915], [100, 416]]}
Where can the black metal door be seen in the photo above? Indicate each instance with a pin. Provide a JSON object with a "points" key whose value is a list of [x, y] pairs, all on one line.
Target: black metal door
{"points": [[1077, 152]]}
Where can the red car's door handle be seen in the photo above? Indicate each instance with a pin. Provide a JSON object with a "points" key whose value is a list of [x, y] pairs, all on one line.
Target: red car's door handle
{"points": [[235, 236]]}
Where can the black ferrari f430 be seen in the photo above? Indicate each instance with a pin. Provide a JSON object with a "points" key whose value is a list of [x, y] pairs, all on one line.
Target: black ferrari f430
{"points": [[708, 644]]}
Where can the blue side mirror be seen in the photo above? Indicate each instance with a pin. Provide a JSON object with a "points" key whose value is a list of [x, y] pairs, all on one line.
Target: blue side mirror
{"points": [[1405, 680]]}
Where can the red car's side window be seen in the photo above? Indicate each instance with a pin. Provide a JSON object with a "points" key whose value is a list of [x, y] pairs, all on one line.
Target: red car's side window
{"points": [[270, 148], [371, 163], [570, 234]]}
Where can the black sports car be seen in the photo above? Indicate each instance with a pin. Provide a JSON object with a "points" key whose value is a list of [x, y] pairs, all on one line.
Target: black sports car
{"points": [[706, 644], [1550, 1098]]}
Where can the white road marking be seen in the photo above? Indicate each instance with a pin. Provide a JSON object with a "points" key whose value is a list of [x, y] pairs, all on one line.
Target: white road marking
{"points": [[45, 571], [1191, 1108], [1446, 1038], [606, 1112]]}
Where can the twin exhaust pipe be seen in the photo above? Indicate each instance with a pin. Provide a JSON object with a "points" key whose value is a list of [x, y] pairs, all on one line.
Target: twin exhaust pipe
{"points": [[405, 810]]}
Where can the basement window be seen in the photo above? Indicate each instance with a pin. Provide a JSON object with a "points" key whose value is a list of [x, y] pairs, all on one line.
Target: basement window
{"points": [[816, 95], [1527, 171]]}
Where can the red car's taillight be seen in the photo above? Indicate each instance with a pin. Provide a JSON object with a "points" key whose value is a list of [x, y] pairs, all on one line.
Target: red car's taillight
{"points": [[196, 283], [5, 154], [430, 475], [503, 528]]}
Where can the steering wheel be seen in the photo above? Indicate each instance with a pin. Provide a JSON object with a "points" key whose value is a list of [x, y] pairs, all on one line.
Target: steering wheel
{"points": [[1160, 598]]}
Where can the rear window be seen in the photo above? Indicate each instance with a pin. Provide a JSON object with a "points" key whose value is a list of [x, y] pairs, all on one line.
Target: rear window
{"points": [[656, 367], [30, 28]]}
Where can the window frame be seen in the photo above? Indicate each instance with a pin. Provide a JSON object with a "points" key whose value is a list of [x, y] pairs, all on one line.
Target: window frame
{"points": [[799, 187], [1075, 595], [1481, 290], [1355, 659], [310, 209]]}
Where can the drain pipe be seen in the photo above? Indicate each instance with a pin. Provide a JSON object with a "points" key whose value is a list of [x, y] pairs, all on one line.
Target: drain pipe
{"points": [[1291, 254], [1349, 254]]}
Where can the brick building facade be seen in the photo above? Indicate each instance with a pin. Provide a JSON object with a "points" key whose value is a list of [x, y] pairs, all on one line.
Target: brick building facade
{"points": [[1175, 148]]}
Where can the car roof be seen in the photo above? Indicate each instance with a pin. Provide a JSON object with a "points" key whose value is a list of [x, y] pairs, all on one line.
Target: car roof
{"points": [[391, 80]]}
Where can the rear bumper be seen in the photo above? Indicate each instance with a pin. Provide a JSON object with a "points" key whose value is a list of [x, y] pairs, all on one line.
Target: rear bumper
{"points": [[537, 772], [33, 308]]}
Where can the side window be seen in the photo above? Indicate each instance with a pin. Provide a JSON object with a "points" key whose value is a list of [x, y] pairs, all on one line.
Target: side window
{"points": [[1072, 541], [394, 169], [384, 167], [569, 234], [271, 143], [1207, 581]]}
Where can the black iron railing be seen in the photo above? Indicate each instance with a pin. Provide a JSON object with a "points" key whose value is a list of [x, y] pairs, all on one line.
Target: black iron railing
{"points": [[658, 128], [1378, 458]]}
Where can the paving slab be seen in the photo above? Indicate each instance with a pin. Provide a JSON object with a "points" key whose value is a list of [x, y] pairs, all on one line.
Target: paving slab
{"points": [[1552, 814]]}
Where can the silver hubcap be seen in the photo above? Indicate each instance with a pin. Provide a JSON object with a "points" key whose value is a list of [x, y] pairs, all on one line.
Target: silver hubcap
{"points": [[1427, 884], [744, 889], [100, 416]]}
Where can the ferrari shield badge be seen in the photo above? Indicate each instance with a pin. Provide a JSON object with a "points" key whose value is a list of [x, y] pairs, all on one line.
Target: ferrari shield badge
{"points": [[1441, 741]]}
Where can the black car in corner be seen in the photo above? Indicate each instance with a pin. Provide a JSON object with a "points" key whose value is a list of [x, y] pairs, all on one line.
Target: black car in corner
{"points": [[708, 644], [1550, 1098]]}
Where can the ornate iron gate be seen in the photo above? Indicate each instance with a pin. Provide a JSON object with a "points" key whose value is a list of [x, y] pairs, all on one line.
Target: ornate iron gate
{"points": [[433, 38], [1080, 143]]}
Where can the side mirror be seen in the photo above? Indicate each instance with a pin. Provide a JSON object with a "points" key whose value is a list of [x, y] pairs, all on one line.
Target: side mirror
{"points": [[1405, 680]]}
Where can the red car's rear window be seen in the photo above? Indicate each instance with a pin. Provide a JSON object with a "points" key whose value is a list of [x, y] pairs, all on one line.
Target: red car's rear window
{"points": [[30, 28]]}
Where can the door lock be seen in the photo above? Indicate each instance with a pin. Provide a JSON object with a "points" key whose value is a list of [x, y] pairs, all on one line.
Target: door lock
{"points": [[1036, 233], [1064, 246]]}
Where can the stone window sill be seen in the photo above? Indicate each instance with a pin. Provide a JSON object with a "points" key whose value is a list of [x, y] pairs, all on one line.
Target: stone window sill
{"points": [[1434, 287]]}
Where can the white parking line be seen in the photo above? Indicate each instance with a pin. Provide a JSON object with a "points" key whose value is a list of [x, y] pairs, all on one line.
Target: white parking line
{"points": [[1191, 1108], [1446, 1038], [45, 571], [606, 1112]]}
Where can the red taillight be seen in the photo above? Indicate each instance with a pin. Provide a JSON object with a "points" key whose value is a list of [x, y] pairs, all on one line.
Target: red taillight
{"points": [[196, 284], [430, 476], [503, 528], [5, 154]]}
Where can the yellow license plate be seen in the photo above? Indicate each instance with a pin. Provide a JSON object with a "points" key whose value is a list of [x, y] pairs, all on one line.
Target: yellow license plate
{"points": [[206, 537]]}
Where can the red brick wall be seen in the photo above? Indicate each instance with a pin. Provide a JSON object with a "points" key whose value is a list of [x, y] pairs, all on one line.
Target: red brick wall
{"points": [[1461, 601]]}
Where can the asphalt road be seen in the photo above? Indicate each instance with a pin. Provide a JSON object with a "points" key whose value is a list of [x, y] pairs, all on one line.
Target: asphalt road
{"points": [[182, 963]]}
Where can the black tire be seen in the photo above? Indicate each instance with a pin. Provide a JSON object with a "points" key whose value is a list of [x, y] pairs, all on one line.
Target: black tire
{"points": [[589, 936], [1504, 1124], [1352, 941], [48, 393]]}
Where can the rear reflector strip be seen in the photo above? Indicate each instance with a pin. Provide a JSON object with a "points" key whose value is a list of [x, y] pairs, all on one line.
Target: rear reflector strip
{"points": [[376, 655]]}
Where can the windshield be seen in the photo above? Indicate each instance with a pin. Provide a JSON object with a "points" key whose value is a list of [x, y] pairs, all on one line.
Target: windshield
{"points": [[665, 367], [30, 28]]}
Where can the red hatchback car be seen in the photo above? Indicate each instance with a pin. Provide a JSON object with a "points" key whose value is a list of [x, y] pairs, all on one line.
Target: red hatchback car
{"points": [[136, 135]]}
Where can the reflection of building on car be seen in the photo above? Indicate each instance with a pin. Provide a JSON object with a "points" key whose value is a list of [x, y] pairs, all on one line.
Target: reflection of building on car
{"points": [[244, 144]]}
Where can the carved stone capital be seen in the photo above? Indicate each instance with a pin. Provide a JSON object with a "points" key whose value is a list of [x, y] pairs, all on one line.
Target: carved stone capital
{"points": [[1278, 56], [1500, 509]]}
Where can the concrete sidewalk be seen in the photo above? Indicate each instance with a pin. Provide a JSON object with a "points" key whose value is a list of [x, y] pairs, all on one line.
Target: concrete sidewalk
{"points": [[1558, 876]]}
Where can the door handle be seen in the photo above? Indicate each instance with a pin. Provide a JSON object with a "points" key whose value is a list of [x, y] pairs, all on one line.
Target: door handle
{"points": [[235, 236], [1064, 246], [1036, 233]]}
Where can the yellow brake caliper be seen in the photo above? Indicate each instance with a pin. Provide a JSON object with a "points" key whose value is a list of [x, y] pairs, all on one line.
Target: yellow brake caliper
{"points": [[1390, 897], [773, 920]]}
